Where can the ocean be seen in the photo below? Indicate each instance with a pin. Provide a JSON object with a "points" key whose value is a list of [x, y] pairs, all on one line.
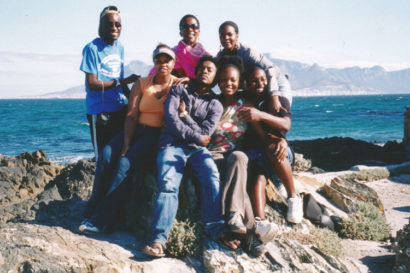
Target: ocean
{"points": [[60, 128]]}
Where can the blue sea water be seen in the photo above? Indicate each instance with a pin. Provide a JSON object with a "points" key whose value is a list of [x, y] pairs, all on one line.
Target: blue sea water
{"points": [[59, 126]]}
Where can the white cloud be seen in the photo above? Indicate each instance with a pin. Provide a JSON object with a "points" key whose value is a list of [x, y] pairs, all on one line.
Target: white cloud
{"points": [[26, 74], [23, 74]]}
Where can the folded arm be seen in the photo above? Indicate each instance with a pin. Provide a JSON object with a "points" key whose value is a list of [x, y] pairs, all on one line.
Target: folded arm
{"points": [[172, 120]]}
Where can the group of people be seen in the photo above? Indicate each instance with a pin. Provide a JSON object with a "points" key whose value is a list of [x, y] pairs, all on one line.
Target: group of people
{"points": [[231, 142]]}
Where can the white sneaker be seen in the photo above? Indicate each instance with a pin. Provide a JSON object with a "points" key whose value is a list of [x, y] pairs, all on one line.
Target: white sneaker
{"points": [[235, 223], [265, 230], [282, 191], [295, 210]]}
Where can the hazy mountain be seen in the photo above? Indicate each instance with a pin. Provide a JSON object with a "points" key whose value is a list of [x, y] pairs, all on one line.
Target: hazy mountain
{"points": [[78, 92], [352, 80], [306, 80], [137, 67]]}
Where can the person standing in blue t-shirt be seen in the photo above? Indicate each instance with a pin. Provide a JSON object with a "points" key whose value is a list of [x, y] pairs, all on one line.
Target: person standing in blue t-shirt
{"points": [[103, 65]]}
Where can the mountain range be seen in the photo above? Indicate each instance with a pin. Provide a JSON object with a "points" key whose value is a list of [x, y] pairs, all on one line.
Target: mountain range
{"points": [[306, 80]]}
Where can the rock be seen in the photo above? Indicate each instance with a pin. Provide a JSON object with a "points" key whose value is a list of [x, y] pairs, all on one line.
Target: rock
{"points": [[306, 184], [357, 191], [41, 205], [301, 164], [345, 192], [36, 248], [401, 247], [26, 177], [25, 159], [343, 202], [316, 170], [337, 153], [329, 206], [284, 255], [139, 210], [403, 168], [76, 180]]}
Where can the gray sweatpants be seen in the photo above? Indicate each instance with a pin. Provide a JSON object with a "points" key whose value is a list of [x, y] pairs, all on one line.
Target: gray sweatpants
{"points": [[233, 168]]}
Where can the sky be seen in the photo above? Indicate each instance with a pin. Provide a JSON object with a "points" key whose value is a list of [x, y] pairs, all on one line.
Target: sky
{"points": [[40, 50]]}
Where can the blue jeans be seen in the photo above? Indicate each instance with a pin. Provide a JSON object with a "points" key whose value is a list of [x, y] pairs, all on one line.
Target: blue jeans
{"points": [[171, 162], [111, 171]]}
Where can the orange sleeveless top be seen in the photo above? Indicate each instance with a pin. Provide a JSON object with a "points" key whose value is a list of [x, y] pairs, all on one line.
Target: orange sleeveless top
{"points": [[151, 109]]}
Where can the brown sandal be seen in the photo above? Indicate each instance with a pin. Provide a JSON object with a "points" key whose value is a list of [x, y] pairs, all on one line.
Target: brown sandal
{"points": [[156, 250], [228, 241]]}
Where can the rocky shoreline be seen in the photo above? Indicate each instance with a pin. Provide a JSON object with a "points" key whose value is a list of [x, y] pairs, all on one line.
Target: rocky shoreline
{"points": [[41, 205]]}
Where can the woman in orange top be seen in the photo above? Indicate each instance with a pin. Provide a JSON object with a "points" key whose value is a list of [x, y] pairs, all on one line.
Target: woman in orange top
{"points": [[131, 148]]}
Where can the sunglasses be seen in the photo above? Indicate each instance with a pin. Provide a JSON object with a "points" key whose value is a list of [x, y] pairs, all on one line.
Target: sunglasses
{"points": [[186, 26], [110, 24]]}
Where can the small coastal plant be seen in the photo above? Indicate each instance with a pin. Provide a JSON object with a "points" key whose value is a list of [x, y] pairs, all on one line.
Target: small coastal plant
{"points": [[185, 239], [367, 224], [367, 175], [323, 239]]}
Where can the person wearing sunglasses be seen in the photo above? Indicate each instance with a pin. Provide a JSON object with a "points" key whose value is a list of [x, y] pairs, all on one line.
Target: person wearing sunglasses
{"points": [[189, 50], [278, 83], [183, 142], [133, 148], [103, 65]]}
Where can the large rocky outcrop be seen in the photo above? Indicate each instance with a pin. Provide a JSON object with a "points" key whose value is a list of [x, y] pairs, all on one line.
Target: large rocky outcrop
{"points": [[22, 180], [39, 248], [337, 153], [41, 208]]}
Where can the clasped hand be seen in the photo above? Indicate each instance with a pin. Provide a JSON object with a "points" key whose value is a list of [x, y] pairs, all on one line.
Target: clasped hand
{"points": [[205, 139], [279, 149], [249, 114]]}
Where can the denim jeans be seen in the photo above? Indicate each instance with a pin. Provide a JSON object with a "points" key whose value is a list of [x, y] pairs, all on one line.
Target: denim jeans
{"points": [[171, 162], [111, 171]]}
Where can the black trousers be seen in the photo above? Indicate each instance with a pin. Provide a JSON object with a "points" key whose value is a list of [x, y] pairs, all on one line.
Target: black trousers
{"points": [[102, 130]]}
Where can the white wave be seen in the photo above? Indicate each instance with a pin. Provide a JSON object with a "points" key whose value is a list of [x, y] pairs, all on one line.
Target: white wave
{"points": [[71, 158], [329, 111]]}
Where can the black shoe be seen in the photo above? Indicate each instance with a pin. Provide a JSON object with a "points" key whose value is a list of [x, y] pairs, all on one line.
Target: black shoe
{"points": [[253, 245]]}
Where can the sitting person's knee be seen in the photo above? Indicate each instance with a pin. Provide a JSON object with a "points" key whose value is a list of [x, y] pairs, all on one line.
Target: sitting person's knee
{"points": [[238, 156], [124, 164], [169, 186], [260, 180], [105, 155]]}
